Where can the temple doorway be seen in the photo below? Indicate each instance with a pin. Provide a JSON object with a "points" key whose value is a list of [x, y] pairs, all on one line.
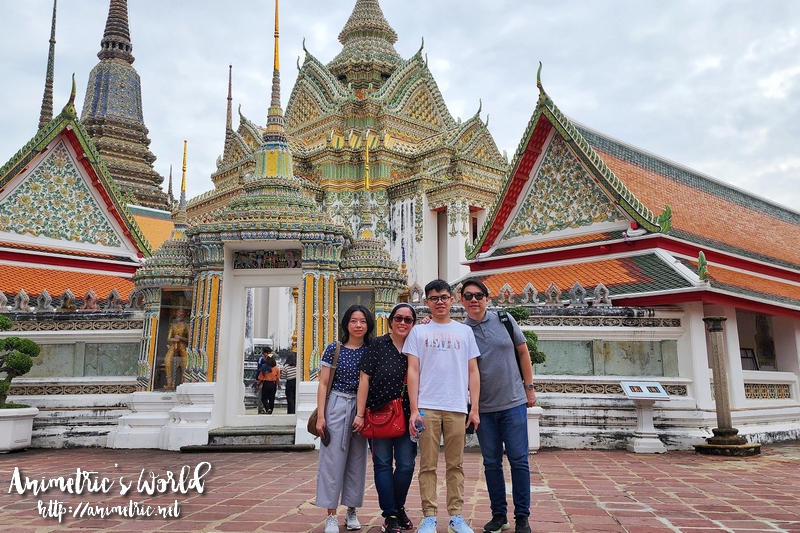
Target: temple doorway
{"points": [[260, 303]]}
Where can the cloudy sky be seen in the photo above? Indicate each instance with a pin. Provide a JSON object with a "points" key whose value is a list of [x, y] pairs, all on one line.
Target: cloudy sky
{"points": [[712, 85]]}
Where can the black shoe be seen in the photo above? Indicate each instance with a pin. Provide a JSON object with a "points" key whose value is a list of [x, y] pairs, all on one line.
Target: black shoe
{"points": [[403, 520], [390, 525], [499, 523], [521, 524]]}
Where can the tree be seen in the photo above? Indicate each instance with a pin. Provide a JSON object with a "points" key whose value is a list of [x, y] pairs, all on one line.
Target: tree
{"points": [[16, 358], [521, 313]]}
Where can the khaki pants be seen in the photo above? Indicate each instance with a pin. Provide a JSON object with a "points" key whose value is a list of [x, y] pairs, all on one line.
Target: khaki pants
{"points": [[451, 425]]}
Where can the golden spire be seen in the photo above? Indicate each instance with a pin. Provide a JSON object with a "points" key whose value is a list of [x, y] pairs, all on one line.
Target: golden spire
{"points": [[277, 63], [183, 170], [179, 215]]}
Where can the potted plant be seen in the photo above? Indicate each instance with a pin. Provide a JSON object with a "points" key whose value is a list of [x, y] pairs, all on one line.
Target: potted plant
{"points": [[16, 359]]}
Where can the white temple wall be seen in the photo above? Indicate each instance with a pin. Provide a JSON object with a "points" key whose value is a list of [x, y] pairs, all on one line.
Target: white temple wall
{"points": [[693, 361], [733, 356], [404, 230], [786, 333], [428, 250]]}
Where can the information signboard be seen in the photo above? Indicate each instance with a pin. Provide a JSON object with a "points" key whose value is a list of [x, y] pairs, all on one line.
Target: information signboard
{"points": [[644, 390]]}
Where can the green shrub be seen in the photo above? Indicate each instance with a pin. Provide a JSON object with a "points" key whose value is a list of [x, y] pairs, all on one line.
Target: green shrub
{"points": [[532, 340], [16, 359], [519, 312]]}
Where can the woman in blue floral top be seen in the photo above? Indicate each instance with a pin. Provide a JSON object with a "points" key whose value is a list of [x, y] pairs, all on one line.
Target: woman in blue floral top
{"points": [[342, 467]]}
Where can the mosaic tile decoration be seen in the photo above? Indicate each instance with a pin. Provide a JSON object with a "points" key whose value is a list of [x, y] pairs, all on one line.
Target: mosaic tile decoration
{"points": [[257, 259], [561, 196], [81, 388], [54, 201]]}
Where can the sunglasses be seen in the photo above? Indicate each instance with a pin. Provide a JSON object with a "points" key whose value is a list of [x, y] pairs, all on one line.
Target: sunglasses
{"points": [[436, 299], [470, 295], [406, 319]]}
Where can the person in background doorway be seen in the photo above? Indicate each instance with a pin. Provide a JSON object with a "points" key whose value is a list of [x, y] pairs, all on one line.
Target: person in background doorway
{"points": [[268, 376], [289, 375]]}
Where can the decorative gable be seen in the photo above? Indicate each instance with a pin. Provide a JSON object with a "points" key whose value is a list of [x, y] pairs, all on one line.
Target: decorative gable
{"points": [[304, 109], [562, 195], [55, 201], [421, 107]]}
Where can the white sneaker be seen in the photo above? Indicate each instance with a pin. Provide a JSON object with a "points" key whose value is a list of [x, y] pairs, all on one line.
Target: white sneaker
{"points": [[332, 524], [428, 525], [351, 520], [457, 525]]}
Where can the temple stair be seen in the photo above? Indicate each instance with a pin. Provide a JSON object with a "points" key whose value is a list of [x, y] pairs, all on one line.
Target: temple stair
{"points": [[251, 439]]}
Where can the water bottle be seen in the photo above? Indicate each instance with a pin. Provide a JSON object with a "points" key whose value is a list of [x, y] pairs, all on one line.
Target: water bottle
{"points": [[419, 425]]}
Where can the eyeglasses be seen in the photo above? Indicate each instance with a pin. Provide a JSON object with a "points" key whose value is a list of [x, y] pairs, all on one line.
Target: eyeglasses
{"points": [[470, 295], [406, 319], [434, 299]]}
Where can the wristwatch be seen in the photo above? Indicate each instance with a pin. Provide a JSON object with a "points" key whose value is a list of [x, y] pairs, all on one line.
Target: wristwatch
{"points": [[529, 386]]}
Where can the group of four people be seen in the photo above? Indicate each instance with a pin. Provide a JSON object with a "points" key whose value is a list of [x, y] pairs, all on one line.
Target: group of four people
{"points": [[476, 374]]}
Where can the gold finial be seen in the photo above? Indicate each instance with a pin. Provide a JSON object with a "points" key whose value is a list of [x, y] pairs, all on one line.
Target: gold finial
{"points": [[277, 59], [366, 165], [183, 177]]}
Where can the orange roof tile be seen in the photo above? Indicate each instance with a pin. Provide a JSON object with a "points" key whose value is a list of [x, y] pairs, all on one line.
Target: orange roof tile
{"points": [[644, 273], [156, 230], [554, 243], [33, 280], [52, 250], [736, 281], [710, 216]]}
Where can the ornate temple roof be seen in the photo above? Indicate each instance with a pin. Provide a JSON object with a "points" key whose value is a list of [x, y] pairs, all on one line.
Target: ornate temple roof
{"points": [[271, 202], [50, 150], [548, 122], [705, 211], [112, 114], [576, 208], [368, 56]]}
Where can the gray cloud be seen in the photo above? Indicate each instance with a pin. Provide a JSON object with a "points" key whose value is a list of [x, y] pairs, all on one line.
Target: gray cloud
{"points": [[712, 85]]}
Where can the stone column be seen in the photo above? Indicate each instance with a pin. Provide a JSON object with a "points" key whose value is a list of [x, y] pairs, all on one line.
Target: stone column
{"points": [[204, 335], [725, 440], [147, 350]]}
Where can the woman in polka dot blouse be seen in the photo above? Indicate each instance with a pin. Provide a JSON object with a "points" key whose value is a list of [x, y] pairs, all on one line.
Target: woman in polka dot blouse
{"points": [[342, 467]]}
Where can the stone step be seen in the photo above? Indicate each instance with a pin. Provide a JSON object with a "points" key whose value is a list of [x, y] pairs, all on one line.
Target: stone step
{"points": [[252, 435]]}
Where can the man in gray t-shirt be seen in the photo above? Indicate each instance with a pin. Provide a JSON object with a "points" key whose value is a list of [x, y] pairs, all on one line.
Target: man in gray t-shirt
{"points": [[506, 392]]}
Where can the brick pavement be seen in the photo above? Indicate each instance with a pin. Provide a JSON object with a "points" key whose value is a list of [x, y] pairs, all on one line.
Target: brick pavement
{"points": [[580, 491]]}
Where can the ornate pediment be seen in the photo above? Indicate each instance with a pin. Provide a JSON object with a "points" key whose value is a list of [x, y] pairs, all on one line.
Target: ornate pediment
{"points": [[560, 196], [54, 200]]}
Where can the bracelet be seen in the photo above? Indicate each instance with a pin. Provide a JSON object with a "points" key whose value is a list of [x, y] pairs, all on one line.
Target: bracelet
{"points": [[359, 416]]}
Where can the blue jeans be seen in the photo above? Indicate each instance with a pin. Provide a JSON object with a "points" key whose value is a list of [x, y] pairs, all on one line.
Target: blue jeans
{"points": [[509, 428], [392, 486]]}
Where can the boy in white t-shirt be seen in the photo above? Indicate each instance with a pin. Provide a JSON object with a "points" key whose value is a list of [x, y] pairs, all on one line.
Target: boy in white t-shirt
{"points": [[442, 377]]}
